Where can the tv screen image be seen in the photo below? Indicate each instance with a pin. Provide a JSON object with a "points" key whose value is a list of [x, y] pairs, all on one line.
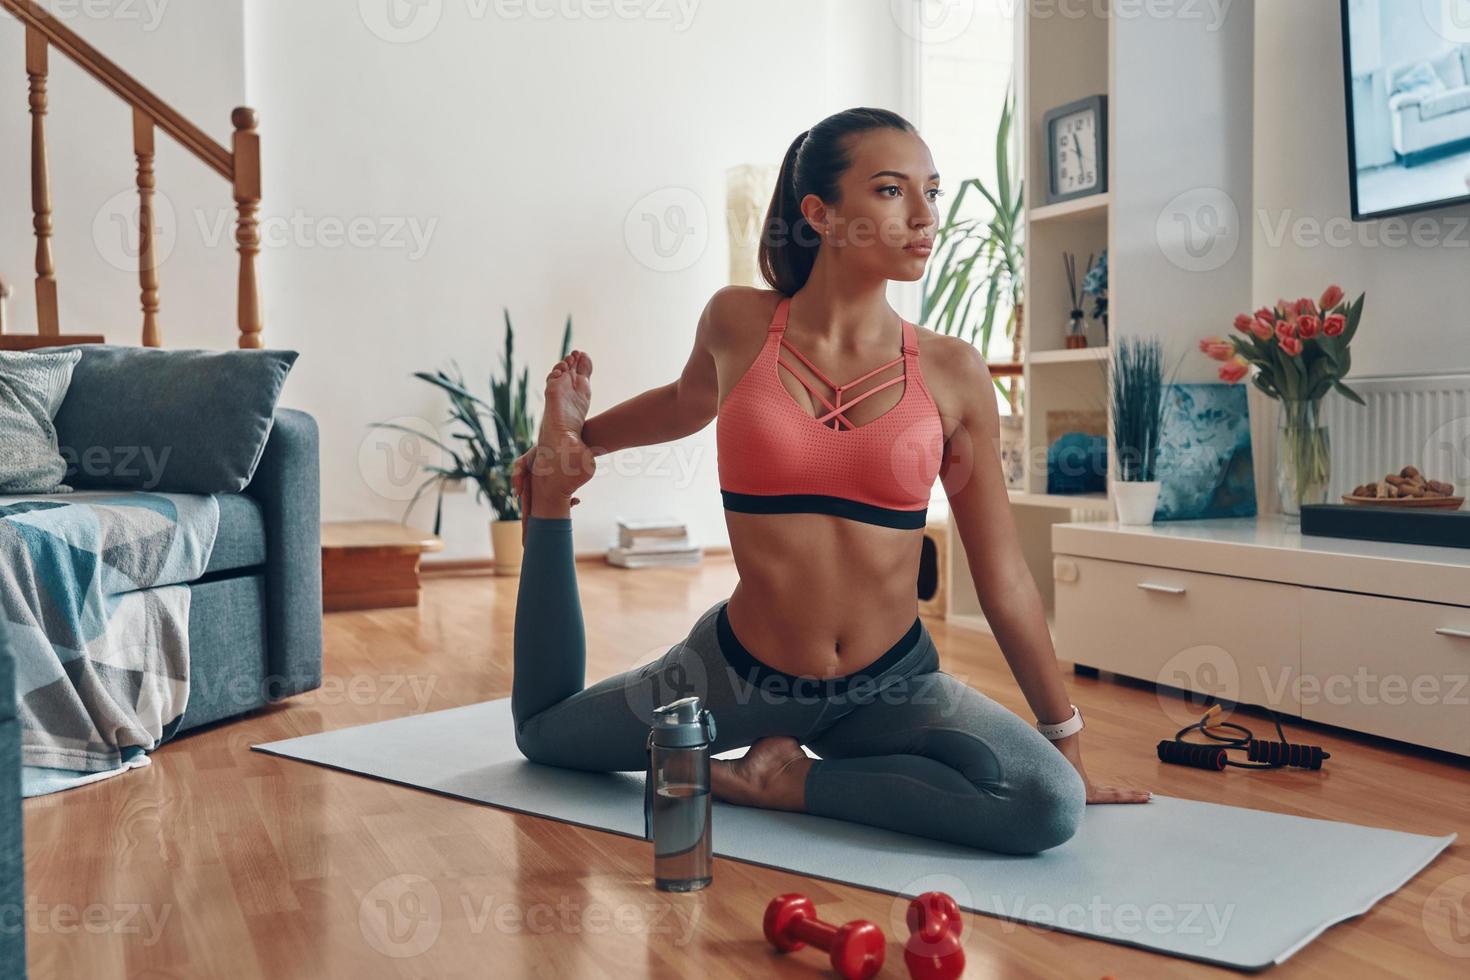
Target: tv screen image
{"points": [[1407, 76]]}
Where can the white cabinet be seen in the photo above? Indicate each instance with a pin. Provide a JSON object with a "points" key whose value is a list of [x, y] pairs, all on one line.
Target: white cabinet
{"points": [[1235, 638], [1387, 666], [1365, 635]]}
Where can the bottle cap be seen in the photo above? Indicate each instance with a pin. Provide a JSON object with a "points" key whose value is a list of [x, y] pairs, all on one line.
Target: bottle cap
{"points": [[682, 724]]}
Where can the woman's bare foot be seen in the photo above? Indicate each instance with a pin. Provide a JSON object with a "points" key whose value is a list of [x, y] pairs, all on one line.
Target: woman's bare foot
{"points": [[560, 462], [772, 774]]}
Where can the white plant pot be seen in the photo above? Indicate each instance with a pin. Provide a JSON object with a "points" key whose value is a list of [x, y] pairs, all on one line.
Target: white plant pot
{"points": [[505, 543], [1135, 500]]}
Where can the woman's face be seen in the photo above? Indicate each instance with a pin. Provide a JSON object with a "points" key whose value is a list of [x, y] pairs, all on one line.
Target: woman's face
{"points": [[887, 212]]}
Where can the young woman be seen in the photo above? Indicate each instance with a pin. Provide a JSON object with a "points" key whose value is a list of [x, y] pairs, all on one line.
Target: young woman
{"points": [[825, 488]]}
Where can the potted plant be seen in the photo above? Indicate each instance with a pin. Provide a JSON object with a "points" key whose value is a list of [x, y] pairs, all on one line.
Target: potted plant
{"points": [[1138, 410], [1300, 351], [489, 438], [977, 272]]}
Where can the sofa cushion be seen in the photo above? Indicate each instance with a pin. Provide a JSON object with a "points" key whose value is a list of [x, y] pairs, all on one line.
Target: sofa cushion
{"points": [[241, 539], [32, 386], [1451, 69], [1420, 79], [179, 421]]}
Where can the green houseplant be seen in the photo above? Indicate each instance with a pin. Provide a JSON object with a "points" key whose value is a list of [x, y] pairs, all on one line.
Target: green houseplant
{"points": [[488, 438], [978, 272], [1138, 408]]}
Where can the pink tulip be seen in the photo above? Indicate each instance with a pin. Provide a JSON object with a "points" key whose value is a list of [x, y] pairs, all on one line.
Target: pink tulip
{"points": [[1305, 306], [1308, 326], [1291, 345], [1331, 297], [1263, 328], [1234, 369], [1243, 322], [1334, 324], [1220, 350], [1285, 329], [1266, 313]]}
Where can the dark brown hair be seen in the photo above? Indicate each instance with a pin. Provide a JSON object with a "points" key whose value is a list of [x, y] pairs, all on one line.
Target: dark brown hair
{"points": [[814, 163]]}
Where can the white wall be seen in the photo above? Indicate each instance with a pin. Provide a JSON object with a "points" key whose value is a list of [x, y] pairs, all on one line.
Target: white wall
{"points": [[193, 56], [1412, 267], [1180, 248], [520, 148]]}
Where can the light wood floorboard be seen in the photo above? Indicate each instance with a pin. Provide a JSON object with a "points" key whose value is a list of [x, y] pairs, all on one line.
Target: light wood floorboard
{"points": [[217, 861]]}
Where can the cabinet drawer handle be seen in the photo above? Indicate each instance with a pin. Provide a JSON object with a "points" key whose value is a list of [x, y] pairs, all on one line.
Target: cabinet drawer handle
{"points": [[1451, 631], [1171, 589]]}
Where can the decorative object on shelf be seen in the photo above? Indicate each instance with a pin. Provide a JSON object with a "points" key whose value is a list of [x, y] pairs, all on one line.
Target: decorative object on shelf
{"points": [[484, 449], [1300, 352], [1013, 450], [1204, 464], [1077, 463], [1138, 408], [1077, 320], [1076, 149], [1406, 488], [1096, 285], [1077, 451], [982, 259]]}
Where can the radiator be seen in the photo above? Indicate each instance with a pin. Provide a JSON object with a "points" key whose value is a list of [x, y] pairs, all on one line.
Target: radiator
{"points": [[1419, 420]]}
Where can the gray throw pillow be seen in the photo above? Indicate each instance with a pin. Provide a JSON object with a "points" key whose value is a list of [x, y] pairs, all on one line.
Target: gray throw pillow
{"points": [[174, 421], [32, 386]]}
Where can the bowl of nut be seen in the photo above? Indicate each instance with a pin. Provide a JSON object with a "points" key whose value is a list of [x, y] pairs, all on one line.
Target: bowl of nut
{"points": [[1406, 488]]}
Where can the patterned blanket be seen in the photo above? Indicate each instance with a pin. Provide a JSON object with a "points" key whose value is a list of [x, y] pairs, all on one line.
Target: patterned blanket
{"points": [[93, 606]]}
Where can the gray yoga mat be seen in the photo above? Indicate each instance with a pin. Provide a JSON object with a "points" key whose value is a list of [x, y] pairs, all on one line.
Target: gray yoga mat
{"points": [[1223, 884]]}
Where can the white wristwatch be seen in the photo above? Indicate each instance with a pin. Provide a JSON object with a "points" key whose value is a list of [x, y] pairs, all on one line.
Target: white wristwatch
{"points": [[1061, 730]]}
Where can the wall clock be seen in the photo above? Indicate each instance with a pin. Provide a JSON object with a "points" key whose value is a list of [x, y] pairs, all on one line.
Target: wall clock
{"points": [[1076, 149]]}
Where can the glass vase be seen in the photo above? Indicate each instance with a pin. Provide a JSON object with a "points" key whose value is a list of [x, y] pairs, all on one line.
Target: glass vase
{"points": [[1303, 457]]}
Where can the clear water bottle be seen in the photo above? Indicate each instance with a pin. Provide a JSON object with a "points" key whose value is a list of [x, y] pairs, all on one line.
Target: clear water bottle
{"points": [[676, 796]]}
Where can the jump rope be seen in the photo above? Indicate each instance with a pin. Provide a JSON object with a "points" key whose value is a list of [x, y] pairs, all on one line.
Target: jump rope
{"points": [[1260, 754]]}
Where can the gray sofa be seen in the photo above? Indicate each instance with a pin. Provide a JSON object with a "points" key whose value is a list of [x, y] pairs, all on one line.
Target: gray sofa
{"points": [[12, 858], [255, 628]]}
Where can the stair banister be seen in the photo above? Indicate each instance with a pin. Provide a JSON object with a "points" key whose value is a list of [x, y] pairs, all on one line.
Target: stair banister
{"points": [[240, 165]]}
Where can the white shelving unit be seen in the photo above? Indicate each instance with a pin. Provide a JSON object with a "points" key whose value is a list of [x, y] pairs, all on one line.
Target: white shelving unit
{"points": [[1177, 123]]}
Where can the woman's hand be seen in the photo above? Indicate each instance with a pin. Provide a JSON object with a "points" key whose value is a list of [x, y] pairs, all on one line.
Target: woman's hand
{"points": [[520, 482], [1071, 747]]}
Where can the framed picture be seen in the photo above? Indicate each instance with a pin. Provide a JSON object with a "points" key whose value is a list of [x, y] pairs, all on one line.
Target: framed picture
{"points": [[1076, 149]]}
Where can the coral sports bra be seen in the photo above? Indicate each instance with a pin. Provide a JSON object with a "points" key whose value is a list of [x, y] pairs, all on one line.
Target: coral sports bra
{"points": [[776, 458]]}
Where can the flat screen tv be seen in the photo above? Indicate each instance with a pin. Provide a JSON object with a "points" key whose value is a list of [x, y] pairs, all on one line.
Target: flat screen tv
{"points": [[1406, 69]]}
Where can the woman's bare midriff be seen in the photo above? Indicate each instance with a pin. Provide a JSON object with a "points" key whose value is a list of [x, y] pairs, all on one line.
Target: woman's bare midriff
{"points": [[819, 595]]}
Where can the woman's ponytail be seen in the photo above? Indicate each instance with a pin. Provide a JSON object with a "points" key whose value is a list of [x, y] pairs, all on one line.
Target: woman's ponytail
{"points": [[814, 163]]}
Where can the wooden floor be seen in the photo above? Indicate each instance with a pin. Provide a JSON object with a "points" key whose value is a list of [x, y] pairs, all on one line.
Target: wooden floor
{"points": [[221, 862]]}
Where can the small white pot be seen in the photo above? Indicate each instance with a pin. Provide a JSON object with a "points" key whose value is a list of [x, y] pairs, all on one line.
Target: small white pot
{"points": [[1135, 500]]}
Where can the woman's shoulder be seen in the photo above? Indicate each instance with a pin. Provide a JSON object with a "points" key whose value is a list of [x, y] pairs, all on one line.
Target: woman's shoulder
{"points": [[737, 312]]}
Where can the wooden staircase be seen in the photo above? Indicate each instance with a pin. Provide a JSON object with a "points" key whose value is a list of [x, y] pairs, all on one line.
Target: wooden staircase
{"points": [[239, 166]]}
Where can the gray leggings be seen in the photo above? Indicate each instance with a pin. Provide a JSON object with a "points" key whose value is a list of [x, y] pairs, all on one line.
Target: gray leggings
{"points": [[901, 744]]}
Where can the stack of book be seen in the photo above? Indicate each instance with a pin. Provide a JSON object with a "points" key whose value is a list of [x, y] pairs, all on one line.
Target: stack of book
{"points": [[655, 542]]}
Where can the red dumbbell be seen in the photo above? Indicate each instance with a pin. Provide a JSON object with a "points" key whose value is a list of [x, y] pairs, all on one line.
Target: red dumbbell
{"points": [[856, 949], [934, 951]]}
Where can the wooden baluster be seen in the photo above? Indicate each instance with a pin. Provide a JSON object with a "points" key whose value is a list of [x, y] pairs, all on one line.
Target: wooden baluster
{"points": [[247, 230], [147, 254], [47, 319]]}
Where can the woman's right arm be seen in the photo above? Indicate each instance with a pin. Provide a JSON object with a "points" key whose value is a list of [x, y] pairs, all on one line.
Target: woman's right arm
{"points": [[672, 411]]}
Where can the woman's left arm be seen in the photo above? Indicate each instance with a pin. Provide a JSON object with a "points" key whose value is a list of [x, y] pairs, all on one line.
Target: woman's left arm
{"points": [[976, 489]]}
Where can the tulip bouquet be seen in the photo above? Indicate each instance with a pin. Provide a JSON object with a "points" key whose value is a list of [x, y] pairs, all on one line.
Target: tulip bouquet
{"points": [[1300, 350]]}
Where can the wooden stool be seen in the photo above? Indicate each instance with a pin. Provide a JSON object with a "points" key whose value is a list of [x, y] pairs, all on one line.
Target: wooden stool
{"points": [[372, 564], [934, 568]]}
